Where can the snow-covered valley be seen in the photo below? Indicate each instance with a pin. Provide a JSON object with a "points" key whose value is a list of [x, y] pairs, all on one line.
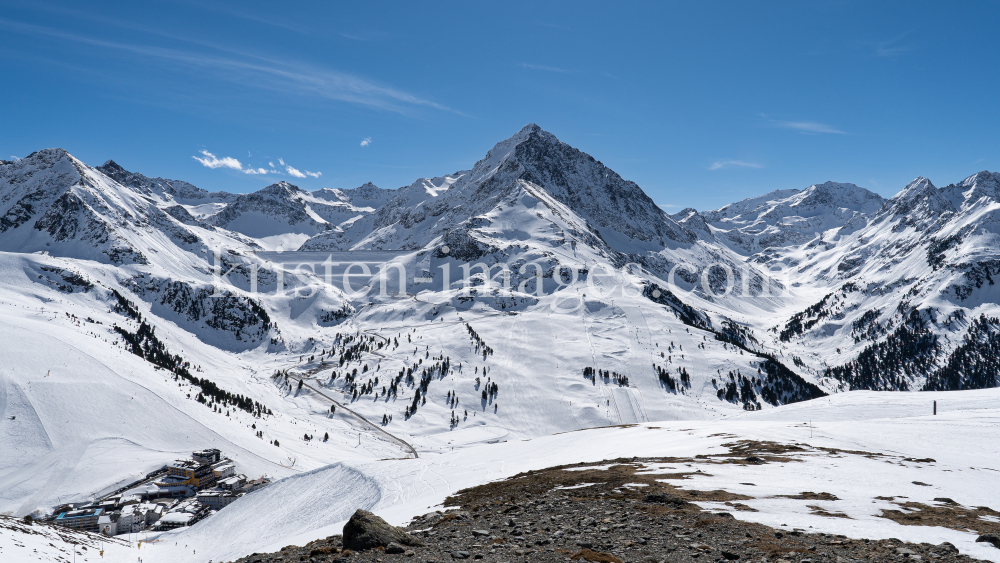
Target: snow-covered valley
{"points": [[381, 349]]}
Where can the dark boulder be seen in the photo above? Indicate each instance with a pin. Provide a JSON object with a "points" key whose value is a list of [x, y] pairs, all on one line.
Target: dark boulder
{"points": [[991, 539], [366, 531]]}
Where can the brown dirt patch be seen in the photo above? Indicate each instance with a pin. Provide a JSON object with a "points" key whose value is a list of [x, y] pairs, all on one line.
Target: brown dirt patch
{"points": [[607, 482], [741, 507], [820, 511], [862, 453], [950, 516], [755, 452], [809, 495]]}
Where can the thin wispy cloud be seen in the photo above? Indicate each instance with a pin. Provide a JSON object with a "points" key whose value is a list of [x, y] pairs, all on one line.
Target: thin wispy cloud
{"points": [[254, 71], [807, 127], [251, 17], [892, 47], [209, 160], [364, 35], [720, 164], [545, 68], [366, 141]]}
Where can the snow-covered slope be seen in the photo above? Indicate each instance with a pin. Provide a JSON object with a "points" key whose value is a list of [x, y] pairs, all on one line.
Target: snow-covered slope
{"points": [[596, 308], [911, 301], [866, 450], [431, 208], [282, 209], [162, 189], [52, 202], [790, 217]]}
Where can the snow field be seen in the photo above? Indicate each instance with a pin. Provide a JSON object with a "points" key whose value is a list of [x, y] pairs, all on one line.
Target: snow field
{"points": [[411, 487]]}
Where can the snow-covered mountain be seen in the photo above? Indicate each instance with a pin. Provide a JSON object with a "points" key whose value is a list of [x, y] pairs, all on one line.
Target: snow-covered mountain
{"points": [[161, 188], [914, 304], [786, 218], [598, 309], [51, 202], [447, 207]]}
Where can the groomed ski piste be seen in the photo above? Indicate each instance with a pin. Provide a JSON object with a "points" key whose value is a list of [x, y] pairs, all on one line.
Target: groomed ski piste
{"points": [[857, 446]]}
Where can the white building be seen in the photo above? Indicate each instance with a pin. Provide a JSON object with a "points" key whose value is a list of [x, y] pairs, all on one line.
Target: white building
{"points": [[217, 498], [224, 469], [136, 517], [232, 483], [107, 524]]}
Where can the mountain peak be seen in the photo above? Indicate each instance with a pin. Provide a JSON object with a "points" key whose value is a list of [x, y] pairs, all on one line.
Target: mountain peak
{"points": [[47, 155], [111, 165], [502, 151], [920, 201], [280, 188], [980, 185]]}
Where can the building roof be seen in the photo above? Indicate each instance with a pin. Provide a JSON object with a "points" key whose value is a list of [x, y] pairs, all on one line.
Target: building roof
{"points": [[177, 517], [81, 513], [184, 464]]}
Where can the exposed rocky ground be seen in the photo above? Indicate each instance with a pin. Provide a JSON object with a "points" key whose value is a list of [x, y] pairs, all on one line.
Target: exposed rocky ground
{"points": [[610, 512]]}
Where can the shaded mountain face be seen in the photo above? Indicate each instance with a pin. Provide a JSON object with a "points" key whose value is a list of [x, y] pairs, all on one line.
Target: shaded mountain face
{"points": [[613, 214], [161, 188], [583, 184], [51, 202]]}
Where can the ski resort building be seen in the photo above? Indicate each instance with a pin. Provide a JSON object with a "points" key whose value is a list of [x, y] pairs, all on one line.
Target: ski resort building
{"points": [[206, 457], [81, 519], [107, 524], [135, 517], [217, 498], [224, 469], [189, 472]]}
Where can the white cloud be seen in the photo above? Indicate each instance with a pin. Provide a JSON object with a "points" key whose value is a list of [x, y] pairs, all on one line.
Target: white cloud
{"points": [[15, 158], [211, 161], [718, 164], [366, 141]]}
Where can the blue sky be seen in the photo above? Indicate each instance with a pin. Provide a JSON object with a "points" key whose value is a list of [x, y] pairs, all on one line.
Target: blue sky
{"points": [[700, 103]]}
